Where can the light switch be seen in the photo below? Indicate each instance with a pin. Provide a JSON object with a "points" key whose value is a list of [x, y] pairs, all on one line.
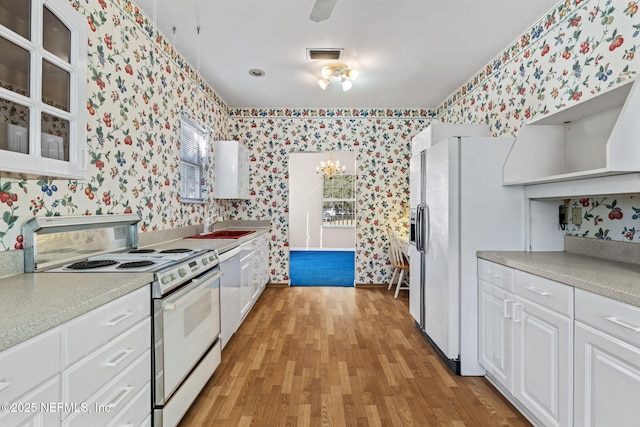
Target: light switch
{"points": [[576, 216]]}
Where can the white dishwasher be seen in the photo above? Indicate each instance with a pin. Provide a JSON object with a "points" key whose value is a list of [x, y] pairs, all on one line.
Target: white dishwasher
{"points": [[231, 291]]}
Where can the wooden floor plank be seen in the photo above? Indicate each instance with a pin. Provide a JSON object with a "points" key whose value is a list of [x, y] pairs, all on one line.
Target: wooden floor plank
{"points": [[314, 356]]}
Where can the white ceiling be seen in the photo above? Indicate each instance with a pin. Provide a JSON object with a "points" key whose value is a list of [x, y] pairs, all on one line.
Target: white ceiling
{"points": [[409, 53]]}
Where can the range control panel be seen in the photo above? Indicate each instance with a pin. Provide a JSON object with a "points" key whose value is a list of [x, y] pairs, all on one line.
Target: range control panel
{"points": [[173, 276]]}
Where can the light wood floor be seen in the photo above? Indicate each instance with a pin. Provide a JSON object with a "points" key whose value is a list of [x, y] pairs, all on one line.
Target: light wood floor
{"points": [[329, 356]]}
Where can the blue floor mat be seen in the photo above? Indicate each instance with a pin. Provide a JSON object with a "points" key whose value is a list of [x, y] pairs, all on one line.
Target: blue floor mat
{"points": [[322, 268]]}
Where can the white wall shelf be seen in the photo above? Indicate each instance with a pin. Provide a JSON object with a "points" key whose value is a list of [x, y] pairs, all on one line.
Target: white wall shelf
{"points": [[596, 138]]}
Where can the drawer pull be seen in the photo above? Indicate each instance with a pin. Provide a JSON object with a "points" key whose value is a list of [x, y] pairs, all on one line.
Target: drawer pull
{"points": [[623, 324], [516, 306], [119, 319], [4, 384], [494, 275], [538, 291], [120, 396], [508, 308], [119, 358]]}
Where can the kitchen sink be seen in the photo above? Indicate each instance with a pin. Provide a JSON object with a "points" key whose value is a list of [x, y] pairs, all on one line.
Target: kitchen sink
{"points": [[223, 234]]}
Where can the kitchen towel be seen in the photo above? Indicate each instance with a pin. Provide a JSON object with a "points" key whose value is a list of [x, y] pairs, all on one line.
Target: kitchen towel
{"points": [[322, 268]]}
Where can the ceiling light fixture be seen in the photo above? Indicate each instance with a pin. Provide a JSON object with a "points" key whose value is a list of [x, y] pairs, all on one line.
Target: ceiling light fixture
{"points": [[341, 72]]}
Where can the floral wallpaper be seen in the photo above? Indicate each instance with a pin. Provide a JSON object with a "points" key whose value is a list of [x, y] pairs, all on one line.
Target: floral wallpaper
{"points": [[609, 218], [139, 85]]}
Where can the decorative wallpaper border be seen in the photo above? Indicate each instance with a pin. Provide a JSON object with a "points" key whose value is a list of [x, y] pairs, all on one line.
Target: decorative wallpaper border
{"points": [[342, 112]]}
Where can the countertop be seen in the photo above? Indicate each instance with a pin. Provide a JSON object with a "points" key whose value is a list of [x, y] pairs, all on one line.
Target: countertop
{"points": [[33, 303], [613, 279]]}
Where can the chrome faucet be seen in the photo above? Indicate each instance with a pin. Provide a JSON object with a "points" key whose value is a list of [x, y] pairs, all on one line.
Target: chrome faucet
{"points": [[210, 222]]}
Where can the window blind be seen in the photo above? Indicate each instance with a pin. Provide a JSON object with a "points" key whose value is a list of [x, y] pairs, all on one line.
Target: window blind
{"points": [[194, 142]]}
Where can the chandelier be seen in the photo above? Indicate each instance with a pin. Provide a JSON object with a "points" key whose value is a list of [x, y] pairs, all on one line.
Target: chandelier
{"points": [[329, 169], [340, 72]]}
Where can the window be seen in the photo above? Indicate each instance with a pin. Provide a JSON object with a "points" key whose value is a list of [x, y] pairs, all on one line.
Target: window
{"points": [[194, 146], [339, 201], [43, 88]]}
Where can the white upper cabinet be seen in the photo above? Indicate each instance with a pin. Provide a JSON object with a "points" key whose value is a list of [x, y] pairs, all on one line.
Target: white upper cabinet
{"points": [[595, 138], [231, 166], [43, 88]]}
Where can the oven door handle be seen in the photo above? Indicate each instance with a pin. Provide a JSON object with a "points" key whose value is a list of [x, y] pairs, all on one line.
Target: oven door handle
{"points": [[174, 302]]}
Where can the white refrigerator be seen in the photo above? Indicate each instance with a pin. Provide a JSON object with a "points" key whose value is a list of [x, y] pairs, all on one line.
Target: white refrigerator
{"points": [[459, 206]]}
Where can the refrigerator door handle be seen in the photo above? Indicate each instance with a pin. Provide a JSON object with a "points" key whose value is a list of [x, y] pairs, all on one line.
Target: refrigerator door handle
{"points": [[427, 228], [419, 228]]}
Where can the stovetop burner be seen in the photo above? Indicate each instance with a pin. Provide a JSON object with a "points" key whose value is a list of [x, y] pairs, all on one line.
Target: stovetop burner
{"points": [[86, 265], [131, 260], [135, 264], [176, 251], [141, 251]]}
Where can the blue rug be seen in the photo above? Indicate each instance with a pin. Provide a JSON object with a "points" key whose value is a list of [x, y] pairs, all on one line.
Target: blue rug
{"points": [[322, 268]]}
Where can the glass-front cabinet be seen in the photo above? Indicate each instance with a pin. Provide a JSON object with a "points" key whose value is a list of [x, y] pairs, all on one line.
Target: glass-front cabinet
{"points": [[42, 88]]}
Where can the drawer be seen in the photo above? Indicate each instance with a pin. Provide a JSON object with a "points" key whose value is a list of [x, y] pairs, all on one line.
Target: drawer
{"points": [[86, 377], [553, 295], [613, 317], [136, 412], [29, 363], [99, 326], [109, 401], [496, 274], [39, 407]]}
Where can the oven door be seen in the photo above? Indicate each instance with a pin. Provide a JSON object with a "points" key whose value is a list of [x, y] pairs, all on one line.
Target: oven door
{"points": [[186, 324]]}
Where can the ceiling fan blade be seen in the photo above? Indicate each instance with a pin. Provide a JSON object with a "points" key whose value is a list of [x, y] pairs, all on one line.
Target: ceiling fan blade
{"points": [[322, 10]]}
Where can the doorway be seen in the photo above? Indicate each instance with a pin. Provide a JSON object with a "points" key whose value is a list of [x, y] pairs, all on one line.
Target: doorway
{"points": [[322, 213]]}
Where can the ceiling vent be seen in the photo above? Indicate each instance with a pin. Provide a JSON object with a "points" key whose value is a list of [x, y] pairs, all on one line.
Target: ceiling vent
{"points": [[324, 54]]}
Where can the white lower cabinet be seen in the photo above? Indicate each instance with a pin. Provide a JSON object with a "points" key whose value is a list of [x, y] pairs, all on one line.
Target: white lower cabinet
{"points": [[34, 409], [259, 265], [543, 359], [246, 288], [526, 341], [254, 273], [27, 365], [495, 343], [93, 370], [607, 364]]}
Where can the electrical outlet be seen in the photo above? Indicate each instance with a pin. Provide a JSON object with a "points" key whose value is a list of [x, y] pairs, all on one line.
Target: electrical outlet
{"points": [[576, 216]]}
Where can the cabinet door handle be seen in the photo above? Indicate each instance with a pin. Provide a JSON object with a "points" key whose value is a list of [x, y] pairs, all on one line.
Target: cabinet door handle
{"points": [[119, 358], [118, 319], [517, 308], [508, 308], [538, 291], [623, 324], [120, 397], [4, 384]]}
